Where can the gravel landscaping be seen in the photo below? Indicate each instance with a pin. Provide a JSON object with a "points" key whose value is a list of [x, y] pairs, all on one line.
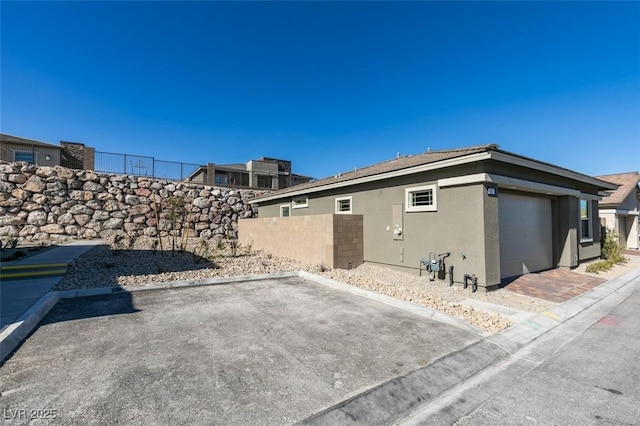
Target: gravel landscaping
{"points": [[139, 262]]}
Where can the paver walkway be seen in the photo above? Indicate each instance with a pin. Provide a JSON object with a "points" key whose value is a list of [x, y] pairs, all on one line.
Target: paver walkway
{"points": [[24, 282], [555, 285]]}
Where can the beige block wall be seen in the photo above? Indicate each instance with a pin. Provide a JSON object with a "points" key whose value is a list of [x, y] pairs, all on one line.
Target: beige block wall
{"points": [[330, 239]]}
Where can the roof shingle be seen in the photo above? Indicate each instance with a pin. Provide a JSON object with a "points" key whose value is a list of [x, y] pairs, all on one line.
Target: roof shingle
{"points": [[627, 181], [390, 166]]}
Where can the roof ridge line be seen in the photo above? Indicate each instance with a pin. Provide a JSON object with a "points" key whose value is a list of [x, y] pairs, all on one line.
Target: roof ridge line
{"points": [[467, 148], [618, 174]]}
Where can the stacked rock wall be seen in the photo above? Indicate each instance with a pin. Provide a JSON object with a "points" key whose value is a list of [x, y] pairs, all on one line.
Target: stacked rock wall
{"points": [[41, 203]]}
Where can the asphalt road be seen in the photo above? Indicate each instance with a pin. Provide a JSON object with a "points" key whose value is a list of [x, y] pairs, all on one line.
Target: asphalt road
{"points": [[593, 380], [261, 352]]}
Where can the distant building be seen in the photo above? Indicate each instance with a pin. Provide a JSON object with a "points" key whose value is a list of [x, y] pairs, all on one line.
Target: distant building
{"points": [[73, 155], [264, 173], [620, 210]]}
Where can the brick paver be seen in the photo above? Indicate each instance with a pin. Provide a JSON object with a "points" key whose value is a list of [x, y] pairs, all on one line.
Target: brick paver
{"points": [[632, 252], [555, 285]]}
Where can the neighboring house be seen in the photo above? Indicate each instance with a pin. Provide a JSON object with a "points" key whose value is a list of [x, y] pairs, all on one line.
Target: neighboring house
{"points": [[264, 173], [619, 211], [68, 154], [498, 214]]}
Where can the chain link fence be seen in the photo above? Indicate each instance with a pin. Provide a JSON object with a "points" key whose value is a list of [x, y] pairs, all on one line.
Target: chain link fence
{"points": [[140, 165]]}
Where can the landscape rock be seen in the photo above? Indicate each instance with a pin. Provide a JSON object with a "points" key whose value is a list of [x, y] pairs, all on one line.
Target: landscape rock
{"points": [[85, 204], [34, 184]]}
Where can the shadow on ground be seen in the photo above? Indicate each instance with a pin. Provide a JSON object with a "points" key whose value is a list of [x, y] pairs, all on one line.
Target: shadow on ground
{"points": [[91, 307], [103, 265]]}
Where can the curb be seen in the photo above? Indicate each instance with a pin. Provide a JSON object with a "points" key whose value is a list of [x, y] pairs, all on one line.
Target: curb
{"points": [[14, 334], [414, 308]]}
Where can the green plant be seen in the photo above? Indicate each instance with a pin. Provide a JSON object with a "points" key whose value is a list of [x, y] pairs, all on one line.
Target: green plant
{"points": [[175, 213], [120, 242], [13, 242], [247, 248], [219, 245], [612, 249], [599, 266], [611, 254], [202, 251], [234, 245], [187, 223], [323, 267], [10, 244], [155, 209]]}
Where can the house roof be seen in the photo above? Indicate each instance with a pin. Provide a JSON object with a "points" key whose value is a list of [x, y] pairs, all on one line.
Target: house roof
{"points": [[628, 182], [24, 141], [428, 161]]}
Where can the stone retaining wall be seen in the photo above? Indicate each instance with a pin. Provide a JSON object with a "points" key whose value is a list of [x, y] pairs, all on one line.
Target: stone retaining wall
{"points": [[41, 203]]}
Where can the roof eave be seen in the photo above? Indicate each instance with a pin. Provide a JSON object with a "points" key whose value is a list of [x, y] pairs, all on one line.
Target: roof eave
{"points": [[501, 156]]}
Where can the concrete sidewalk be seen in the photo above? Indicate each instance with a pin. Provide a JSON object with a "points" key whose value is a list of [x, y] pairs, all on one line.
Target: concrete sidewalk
{"points": [[37, 275]]}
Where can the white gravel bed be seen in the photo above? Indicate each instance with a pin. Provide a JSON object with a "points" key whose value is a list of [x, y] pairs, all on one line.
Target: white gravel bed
{"points": [[140, 264]]}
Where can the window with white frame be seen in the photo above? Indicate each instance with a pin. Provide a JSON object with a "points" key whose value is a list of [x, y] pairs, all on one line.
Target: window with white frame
{"points": [[285, 210], [300, 202], [421, 199], [343, 205], [585, 221]]}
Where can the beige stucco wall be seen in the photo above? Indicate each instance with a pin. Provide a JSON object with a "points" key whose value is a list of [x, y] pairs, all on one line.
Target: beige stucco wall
{"points": [[624, 220], [333, 240]]}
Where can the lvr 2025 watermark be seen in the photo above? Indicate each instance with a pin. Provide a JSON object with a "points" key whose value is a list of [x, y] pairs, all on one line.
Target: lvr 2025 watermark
{"points": [[24, 414]]}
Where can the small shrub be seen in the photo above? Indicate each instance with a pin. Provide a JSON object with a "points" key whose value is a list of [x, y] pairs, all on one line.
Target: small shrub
{"points": [[202, 251], [234, 245], [611, 254], [323, 267], [599, 266], [247, 248]]}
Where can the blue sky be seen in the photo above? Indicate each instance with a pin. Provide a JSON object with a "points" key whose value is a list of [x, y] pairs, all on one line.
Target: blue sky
{"points": [[328, 85]]}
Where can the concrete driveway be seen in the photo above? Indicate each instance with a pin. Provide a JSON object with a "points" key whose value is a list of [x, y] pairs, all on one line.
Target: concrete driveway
{"points": [[259, 352]]}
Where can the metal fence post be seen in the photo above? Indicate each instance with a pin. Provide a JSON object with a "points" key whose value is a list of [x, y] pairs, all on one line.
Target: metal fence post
{"points": [[125, 164], [153, 167]]}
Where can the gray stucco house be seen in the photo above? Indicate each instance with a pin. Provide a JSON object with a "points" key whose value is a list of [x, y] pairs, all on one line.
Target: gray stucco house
{"points": [[498, 214]]}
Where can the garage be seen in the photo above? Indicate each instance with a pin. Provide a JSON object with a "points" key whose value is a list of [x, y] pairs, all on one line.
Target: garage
{"points": [[525, 234]]}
